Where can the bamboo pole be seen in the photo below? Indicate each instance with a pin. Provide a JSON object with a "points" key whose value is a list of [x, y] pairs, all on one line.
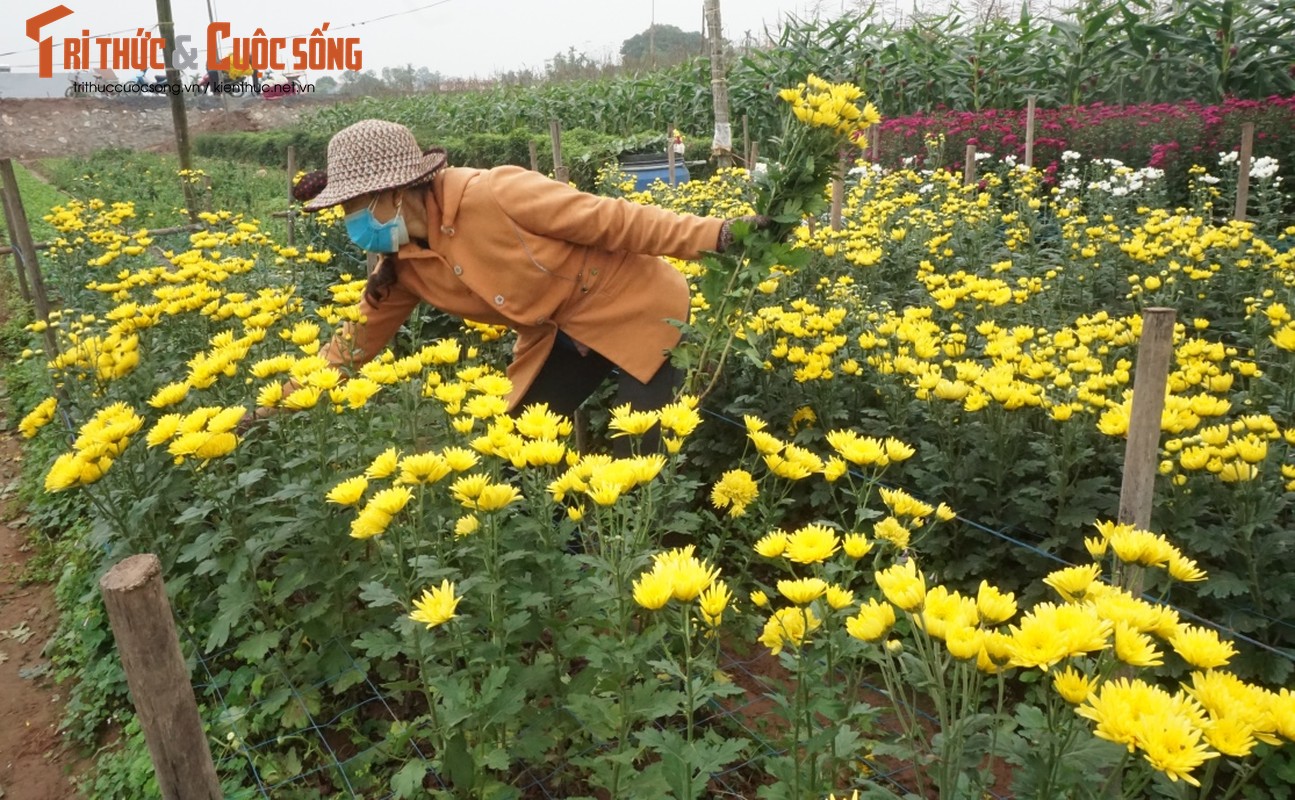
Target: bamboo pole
{"points": [[292, 217], [1243, 164], [535, 155], [140, 615], [969, 167], [21, 235], [1142, 451], [1029, 131], [20, 267], [560, 172]]}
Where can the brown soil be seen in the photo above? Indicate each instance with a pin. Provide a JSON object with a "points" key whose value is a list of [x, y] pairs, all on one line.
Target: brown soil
{"points": [[35, 764], [42, 128]]}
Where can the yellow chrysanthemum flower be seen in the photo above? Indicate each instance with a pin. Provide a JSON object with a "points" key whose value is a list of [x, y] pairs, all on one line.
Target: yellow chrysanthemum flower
{"points": [[38, 417], [384, 465], [735, 490], [791, 625], [348, 492], [436, 606], [802, 591], [872, 622], [811, 544], [1073, 686]]}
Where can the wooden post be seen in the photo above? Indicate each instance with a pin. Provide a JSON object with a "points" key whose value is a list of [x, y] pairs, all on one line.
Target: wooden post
{"points": [[292, 217], [1243, 164], [179, 117], [1029, 132], [722, 143], [669, 154], [535, 155], [755, 156], [160, 688], [1142, 451], [20, 266], [21, 235], [969, 167], [560, 172], [746, 143], [838, 194], [874, 145]]}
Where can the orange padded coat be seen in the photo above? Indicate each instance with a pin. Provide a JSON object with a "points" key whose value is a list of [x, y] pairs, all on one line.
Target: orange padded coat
{"points": [[509, 246]]}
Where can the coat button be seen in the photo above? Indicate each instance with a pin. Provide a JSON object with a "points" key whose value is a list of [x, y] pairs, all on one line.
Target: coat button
{"points": [[499, 299], [458, 270]]}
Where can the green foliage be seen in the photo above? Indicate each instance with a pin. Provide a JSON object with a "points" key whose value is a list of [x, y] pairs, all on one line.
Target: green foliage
{"points": [[584, 151], [662, 44]]}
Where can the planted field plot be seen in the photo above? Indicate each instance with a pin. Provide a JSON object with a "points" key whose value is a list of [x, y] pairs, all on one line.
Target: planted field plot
{"points": [[876, 553]]}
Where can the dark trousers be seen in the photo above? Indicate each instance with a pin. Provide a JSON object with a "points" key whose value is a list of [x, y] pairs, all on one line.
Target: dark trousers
{"points": [[567, 379]]}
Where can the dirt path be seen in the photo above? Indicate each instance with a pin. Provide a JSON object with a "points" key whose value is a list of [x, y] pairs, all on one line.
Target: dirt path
{"points": [[34, 763]]}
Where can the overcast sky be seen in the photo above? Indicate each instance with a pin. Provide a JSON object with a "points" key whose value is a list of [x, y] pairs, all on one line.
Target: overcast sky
{"points": [[461, 38]]}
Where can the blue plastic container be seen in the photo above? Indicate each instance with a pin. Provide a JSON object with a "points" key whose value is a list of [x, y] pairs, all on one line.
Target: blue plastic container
{"points": [[653, 167]]}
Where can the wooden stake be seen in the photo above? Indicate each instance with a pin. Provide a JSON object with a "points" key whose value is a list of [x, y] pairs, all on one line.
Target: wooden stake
{"points": [[21, 236], [560, 172], [669, 154], [1029, 132], [1243, 164], [535, 155], [160, 688], [874, 146], [179, 117], [292, 218], [746, 143], [838, 194], [19, 265], [755, 156], [1142, 451], [969, 167]]}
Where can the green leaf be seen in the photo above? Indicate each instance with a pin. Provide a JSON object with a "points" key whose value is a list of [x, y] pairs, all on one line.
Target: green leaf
{"points": [[408, 782], [459, 765], [379, 644], [377, 595], [253, 648], [249, 477]]}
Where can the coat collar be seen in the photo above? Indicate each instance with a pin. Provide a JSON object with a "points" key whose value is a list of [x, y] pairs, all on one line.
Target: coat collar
{"points": [[447, 189]]}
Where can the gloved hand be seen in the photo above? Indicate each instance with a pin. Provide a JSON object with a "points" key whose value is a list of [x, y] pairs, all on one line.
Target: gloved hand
{"points": [[758, 222]]}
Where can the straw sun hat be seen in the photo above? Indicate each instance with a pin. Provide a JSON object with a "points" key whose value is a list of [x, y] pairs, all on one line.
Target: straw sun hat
{"points": [[370, 156]]}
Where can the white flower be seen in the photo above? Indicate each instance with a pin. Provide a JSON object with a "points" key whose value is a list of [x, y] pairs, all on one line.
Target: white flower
{"points": [[1263, 168], [1227, 158], [983, 156], [1210, 179], [1070, 155]]}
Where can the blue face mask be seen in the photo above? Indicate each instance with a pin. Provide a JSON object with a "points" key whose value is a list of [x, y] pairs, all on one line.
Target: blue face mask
{"points": [[374, 236]]}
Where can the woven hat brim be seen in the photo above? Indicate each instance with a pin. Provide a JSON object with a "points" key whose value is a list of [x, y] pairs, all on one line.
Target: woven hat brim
{"points": [[342, 191]]}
